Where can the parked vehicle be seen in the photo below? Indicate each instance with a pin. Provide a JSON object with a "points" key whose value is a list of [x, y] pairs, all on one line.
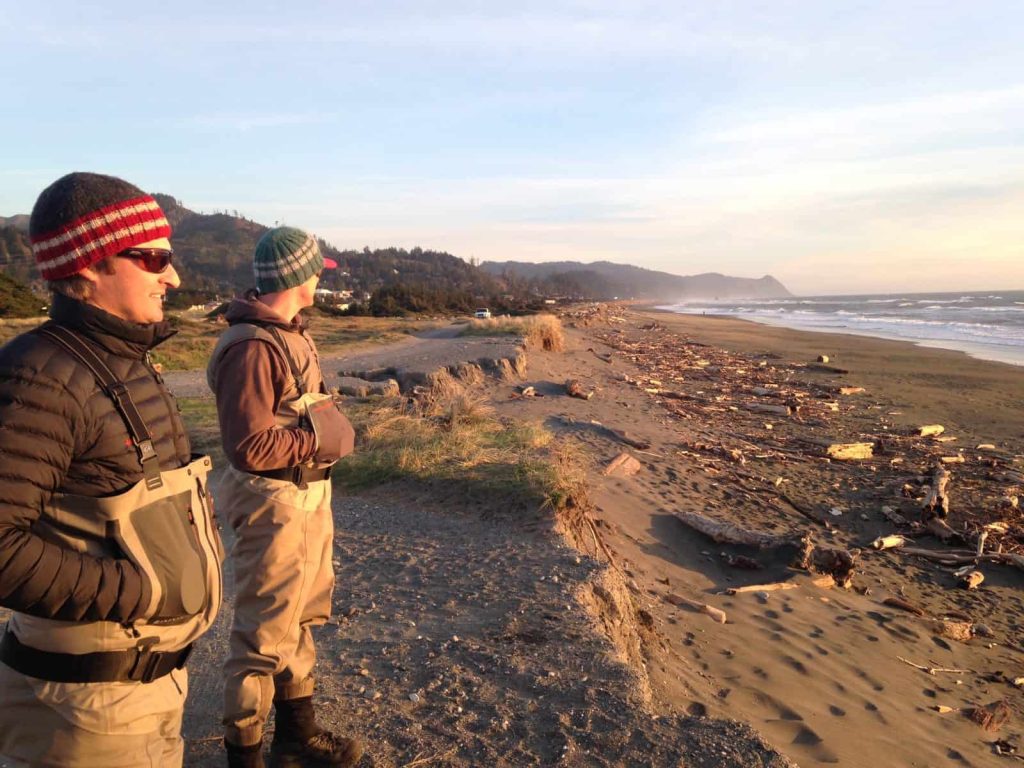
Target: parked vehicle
{"points": [[482, 314]]}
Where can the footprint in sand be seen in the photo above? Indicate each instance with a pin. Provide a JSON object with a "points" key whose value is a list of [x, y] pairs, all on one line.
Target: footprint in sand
{"points": [[796, 664], [836, 711]]}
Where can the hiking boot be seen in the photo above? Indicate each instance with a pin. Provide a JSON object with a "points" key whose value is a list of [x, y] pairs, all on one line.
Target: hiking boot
{"points": [[244, 757], [323, 750], [300, 742]]}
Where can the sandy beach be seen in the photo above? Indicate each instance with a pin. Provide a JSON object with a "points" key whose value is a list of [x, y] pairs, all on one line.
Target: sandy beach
{"points": [[823, 674]]}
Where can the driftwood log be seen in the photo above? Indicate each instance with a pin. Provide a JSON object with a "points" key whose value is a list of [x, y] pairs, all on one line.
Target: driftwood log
{"points": [[574, 388], [708, 610], [800, 549], [936, 503]]}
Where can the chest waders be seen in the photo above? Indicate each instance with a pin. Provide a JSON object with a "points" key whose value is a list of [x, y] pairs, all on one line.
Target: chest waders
{"points": [[164, 525]]}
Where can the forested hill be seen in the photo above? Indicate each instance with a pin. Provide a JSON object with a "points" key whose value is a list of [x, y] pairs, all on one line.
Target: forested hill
{"points": [[214, 258], [603, 279]]}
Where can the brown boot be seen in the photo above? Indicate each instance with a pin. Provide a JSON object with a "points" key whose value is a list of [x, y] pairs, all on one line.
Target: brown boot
{"points": [[299, 742], [244, 757]]}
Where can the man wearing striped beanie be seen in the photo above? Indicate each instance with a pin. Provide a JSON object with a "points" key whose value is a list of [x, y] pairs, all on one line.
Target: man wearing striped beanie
{"points": [[95, 457], [282, 433]]}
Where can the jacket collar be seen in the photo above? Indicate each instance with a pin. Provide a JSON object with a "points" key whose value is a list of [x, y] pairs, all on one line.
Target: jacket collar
{"points": [[119, 337]]}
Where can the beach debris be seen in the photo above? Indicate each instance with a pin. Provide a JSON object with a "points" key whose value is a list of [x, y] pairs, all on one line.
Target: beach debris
{"points": [[903, 605], [842, 451], [936, 502], [741, 561], [776, 410], [961, 556], [932, 670], [958, 459], [708, 610], [851, 390], [606, 356], [527, 391], [991, 717], [822, 358], [889, 542], [1018, 682], [893, 516], [930, 430], [835, 512], [574, 388], [773, 587], [942, 709], [968, 578], [623, 464], [940, 529], [961, 631], [722, 532]]}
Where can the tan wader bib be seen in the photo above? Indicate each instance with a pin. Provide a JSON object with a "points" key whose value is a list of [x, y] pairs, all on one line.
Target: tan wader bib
{"points": [[168, 532]]}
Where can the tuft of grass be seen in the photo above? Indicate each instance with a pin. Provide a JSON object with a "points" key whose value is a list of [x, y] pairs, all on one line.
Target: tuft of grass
{"points": [[539, 331], [462, 452]]}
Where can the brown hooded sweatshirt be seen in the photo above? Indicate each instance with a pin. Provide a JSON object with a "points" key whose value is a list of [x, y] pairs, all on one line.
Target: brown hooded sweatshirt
{"points": [[251, 378]]}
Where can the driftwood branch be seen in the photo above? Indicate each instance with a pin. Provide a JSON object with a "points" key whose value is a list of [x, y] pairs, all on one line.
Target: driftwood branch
{"points": [[937, 500]]}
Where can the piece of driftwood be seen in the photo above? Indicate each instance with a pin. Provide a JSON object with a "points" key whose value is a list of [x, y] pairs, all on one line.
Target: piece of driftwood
{"points": [[574, 388], [940, 529], [726, 533], [773, 587], [775, 410], [958, 459], [842, 451], [931, 670], [930, 430], [936, 503], [888, 542], [903, 605], [822, 358], [623, 464], [960, 557], [708, 610], [851, 390]]}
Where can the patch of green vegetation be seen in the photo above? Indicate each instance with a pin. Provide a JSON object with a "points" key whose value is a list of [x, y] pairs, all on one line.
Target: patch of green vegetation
{"points": [[17, 299], [462, 453]]}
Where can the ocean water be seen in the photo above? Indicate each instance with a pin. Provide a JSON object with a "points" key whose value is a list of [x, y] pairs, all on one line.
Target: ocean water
{"points": [[986, 324]]}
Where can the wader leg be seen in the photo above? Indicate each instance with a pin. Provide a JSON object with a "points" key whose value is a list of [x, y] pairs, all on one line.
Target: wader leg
{"points": [[283, 547]]}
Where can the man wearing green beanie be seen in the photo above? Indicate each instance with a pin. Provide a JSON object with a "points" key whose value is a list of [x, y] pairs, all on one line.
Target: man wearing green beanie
{"points": [[282, 433]]}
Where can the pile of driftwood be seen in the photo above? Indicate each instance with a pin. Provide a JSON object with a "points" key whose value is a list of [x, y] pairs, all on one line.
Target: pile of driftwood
{"points": [[751, 417]]}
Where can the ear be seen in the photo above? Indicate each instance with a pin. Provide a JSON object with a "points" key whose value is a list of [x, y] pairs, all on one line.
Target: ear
{"points": [[90, 274]]}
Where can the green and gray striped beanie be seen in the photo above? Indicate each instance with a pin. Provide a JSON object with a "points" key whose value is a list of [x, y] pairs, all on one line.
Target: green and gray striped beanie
{"points": [[286, 257]]}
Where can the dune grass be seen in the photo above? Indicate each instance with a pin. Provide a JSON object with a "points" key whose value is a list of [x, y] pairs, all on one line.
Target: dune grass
{"points": [[452, 444], [539, 331]]}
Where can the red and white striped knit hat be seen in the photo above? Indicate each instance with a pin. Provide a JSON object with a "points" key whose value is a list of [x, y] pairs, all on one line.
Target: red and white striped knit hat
{"points": [[84, 217]]}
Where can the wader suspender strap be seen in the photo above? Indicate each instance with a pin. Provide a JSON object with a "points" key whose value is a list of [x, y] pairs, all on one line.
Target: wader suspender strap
{"points": [[299, 385], [118, 392]]}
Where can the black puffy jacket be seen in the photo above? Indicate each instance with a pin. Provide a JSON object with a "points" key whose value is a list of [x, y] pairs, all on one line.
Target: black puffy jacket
{"points": [[59, 432]]}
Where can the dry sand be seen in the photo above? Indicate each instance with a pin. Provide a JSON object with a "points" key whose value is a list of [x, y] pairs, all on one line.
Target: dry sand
{"points": [[818, 673]]}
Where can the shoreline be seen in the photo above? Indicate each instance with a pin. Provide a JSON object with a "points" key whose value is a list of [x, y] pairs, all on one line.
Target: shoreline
{"points": [[977, 351]]}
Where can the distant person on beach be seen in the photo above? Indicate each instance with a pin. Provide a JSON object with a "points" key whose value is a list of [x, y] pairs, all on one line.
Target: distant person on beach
{"points": [[282, 433], [109, 556]]}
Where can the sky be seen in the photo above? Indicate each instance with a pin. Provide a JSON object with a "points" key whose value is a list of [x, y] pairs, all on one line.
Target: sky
{"points": [[842, 147]]}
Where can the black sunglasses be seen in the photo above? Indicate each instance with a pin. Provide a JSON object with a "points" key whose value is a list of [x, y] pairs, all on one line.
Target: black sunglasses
{"points": [[155, 260]]}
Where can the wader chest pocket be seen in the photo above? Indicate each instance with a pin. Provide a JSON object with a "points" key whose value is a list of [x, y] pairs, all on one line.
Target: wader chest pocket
{"points": [[163, 538]]}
